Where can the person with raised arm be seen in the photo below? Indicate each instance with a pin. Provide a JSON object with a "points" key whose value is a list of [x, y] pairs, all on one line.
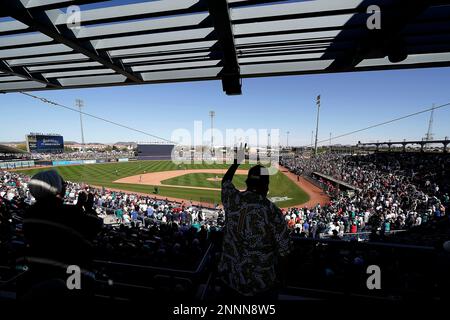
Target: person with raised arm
{"points": [[256, 239]]}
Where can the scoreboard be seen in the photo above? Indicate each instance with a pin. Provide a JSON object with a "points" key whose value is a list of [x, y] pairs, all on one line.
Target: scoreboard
{"points": [[45, 143]]}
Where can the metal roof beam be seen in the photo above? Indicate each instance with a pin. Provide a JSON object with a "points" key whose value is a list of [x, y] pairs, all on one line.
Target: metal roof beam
{"points": [[48, 59], [149, 9], [128, 12], [53, 4], [231, 74], [44, 5], [23, 73], [387, 41], [148, 26], [13, 27], [41, 22]]}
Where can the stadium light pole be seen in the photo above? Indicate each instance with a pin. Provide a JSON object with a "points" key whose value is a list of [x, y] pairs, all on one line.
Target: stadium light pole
{"points": [[287, 139], [80, 104], [429, 135], [212, 114], [317, 124]]}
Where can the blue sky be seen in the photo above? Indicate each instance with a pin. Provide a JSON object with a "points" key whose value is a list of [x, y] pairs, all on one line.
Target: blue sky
{"points": [[349, 101]]}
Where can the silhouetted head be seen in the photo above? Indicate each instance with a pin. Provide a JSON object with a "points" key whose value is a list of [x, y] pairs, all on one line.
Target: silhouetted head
{"points": [[258, 180], [47, 185], [82, 198]]}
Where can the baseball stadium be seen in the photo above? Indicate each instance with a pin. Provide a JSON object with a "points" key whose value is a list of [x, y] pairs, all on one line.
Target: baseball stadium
{"points": [[188, 153], [195, 183]]}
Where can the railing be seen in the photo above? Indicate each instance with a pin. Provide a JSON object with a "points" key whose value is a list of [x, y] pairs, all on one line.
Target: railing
{"points": [[330, 268], [199, 268], [363, 235], [151, 280], [336, 181], [323, 269]]}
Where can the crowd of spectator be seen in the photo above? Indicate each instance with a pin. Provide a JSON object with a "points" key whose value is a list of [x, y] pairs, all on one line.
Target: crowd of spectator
{"points": [[393, 192], [401, 192], [137, 228], [14, 157], [81, 155], [74, 155]]}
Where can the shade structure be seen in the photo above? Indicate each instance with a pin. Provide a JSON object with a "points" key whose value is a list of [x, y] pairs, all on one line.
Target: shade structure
{"points": [[58, 44]]}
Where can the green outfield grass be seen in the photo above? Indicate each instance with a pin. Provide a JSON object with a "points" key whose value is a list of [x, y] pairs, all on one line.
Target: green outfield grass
{"points": [[105, 174], [201, 180]]}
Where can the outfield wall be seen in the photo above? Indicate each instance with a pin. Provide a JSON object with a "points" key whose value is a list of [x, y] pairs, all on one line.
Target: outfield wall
{"points": [[54, 163], [17, 164], [57, 163]]}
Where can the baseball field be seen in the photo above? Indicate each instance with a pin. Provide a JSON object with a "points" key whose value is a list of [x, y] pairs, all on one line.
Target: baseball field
{"points": [[195, 182]]}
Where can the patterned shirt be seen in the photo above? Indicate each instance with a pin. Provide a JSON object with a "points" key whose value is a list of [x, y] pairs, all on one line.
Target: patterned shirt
{"points": [[255, 236]]}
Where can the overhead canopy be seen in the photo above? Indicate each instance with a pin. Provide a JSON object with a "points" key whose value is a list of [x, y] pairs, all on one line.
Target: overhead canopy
{"points": [[185, 40], [11, 150]]}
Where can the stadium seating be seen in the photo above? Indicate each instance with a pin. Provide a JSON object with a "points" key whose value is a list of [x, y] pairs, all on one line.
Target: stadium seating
{"points": [[173, 260]]}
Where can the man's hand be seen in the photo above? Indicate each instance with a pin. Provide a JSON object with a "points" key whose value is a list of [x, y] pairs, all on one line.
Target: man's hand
{"points": [[239, 155]]}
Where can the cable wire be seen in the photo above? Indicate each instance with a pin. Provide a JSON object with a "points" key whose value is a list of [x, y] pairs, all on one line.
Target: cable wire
{"points": [[44, 100], [384, 123]]}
